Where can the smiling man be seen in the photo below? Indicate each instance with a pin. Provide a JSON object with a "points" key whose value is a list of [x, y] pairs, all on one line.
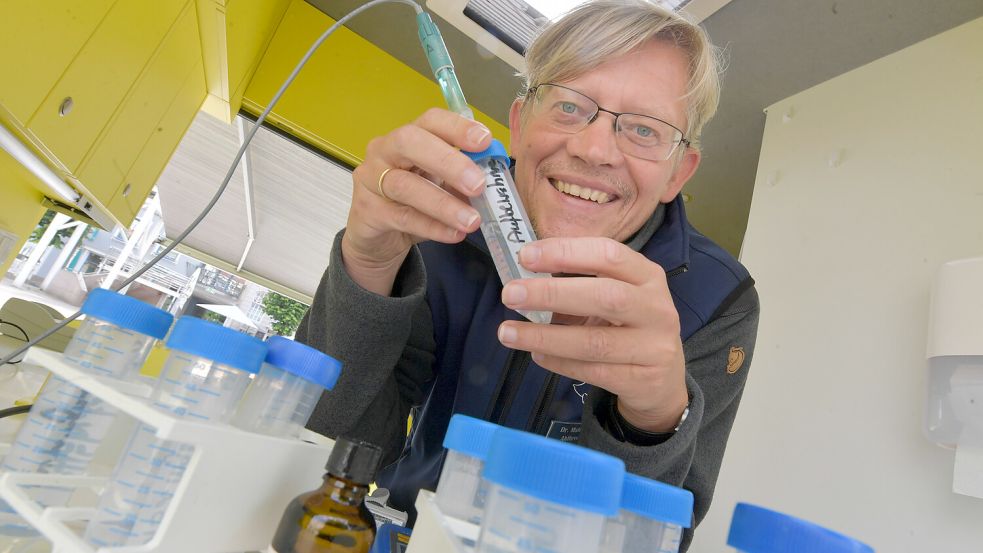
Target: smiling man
{"points": [[648, 352]]}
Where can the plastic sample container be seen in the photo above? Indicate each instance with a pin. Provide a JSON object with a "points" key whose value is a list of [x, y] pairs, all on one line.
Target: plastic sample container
{"points": [[203, 379], [461, 491], [547, 496], [66, 424], [504, 222], [755, 529], [652, 517], [282, 397]]}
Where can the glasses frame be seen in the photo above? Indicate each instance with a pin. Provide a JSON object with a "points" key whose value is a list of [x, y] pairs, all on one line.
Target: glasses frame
{"points": [[531, 91]]}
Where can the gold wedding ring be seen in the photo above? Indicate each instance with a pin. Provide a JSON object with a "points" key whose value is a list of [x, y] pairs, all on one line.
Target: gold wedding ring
{"points": [[382, 192]]}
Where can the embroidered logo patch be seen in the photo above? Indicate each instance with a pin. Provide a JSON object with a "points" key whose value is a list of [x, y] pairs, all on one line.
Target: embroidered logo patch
{"points": [[735, 358]]}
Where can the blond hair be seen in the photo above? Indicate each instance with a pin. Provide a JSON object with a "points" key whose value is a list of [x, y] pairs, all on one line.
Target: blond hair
{"points": [[598, 31]]}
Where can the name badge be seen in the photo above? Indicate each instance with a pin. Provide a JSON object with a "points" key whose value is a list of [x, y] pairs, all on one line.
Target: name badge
{"points": [[564, 431]]}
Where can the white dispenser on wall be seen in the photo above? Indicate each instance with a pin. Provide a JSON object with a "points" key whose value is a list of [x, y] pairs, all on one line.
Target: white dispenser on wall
{"points": [[954, 415]]}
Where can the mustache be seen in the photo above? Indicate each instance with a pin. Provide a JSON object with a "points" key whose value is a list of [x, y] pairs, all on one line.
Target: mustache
{"points": [[623, 191]]}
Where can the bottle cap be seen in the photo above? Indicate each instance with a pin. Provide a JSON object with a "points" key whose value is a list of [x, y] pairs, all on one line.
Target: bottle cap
{"points": [[354, 460], [495, 150], [555, 471], [657, 501], [220, 344], [126, 312], [304, 361], [758, 530], [470, 436]]}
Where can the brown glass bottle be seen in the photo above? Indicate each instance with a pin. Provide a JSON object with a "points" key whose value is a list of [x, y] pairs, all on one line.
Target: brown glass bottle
{"points": [[334, 518]]}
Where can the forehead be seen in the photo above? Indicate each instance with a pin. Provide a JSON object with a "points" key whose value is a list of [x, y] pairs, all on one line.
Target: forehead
{"points": [[650, 80]]}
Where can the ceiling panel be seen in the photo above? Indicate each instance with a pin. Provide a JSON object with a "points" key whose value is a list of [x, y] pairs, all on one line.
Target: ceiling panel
{"points": [[301, 201]]}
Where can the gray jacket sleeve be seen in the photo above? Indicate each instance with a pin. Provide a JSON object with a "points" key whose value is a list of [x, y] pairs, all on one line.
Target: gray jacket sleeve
{"points": [[691, 457], [371, 334]]}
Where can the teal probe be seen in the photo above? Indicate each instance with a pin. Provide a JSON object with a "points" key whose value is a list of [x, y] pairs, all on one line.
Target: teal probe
{"points": [[504, 222], [441, 65]]}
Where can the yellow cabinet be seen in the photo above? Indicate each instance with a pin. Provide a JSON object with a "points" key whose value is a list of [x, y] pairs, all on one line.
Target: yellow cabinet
{"points": [[159, 147], [103, 90], [39, 40], [79, 106], [143, 116]]}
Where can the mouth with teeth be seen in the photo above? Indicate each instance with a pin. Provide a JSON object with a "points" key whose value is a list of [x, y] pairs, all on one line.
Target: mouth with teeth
{"points": [[582, 192]]}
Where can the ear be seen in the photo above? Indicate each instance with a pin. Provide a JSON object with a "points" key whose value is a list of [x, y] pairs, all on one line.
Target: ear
{"points": [[515, 121], [685, 168]]}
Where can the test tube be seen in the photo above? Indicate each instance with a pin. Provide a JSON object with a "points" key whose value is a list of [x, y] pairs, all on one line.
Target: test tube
{"points": [[755, 529], [652, 517], [461, 491], [504, 222], [547, 495], [66, 424], [282, 397], [204, 376]]}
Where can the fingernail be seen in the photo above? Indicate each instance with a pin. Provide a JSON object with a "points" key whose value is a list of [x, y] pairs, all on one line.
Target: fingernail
{"points": [[474, 179], [477, 134], [538, 358], [514, 293], [467, 217], [506, 334], [529, 254]]}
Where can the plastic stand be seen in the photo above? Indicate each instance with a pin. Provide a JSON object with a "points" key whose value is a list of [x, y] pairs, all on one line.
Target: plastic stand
{"points": [[435, 532], [231, 497]]}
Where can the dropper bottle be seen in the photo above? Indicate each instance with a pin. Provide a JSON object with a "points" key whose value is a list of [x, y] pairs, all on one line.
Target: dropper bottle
{"points": [[334, 518]]}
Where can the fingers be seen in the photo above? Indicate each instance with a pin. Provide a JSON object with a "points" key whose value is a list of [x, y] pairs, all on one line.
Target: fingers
{"points": [[415, 206], [432, 144], [591, 256], [605, 344], [612, 300]]}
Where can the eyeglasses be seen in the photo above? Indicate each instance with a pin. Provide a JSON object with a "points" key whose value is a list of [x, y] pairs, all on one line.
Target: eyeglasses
{"points": [[637, 135]]}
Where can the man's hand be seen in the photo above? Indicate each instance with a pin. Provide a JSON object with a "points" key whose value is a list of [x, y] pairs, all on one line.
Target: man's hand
{"points": [[627, 341], [413, 185]]}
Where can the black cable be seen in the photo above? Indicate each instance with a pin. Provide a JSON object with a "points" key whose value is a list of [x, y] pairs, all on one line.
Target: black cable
{"points": [[22, 331], [18, 327], [11, 411]]}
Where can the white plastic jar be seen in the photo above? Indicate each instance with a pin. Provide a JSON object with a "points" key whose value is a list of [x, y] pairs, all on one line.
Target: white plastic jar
{"points": [[461, 492], [547, 496], [652, 517], [66, 424], [755, 529], [204, 377], [281, 398]]}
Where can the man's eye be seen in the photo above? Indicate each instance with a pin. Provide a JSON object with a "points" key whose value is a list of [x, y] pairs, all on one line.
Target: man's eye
{"points": [[568, 107], [644, 132]]}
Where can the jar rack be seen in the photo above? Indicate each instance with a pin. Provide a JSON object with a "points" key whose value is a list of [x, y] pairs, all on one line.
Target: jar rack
{"points": [[231, 496]]}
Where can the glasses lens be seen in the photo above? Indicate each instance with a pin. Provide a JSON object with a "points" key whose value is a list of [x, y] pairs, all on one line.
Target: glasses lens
{"points": [[647, 137], [566, 109]]}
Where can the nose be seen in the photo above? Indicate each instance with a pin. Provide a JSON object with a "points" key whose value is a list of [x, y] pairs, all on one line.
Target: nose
{"points": [[597, 142]]}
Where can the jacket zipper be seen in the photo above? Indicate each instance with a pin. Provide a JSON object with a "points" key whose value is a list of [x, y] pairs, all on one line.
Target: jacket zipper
{"points": [[545, 400], [681, 269], [515, 370]]}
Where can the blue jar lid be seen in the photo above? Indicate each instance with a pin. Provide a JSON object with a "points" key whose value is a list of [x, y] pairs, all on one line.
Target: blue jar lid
{"points": [[304, 361], [657, 501], [495, 150], [220, 344], [470, 436], [126, 312], [555, 471], [758, 530]]}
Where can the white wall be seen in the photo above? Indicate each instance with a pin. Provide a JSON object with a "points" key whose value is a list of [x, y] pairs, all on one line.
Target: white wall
{"points": [[830, 425]]}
